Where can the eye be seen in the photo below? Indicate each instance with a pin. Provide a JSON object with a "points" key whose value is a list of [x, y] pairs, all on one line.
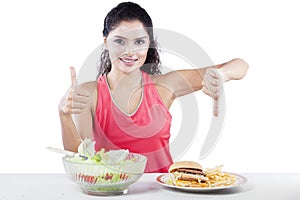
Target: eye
{"points": [[140, 42], [119, 41]]}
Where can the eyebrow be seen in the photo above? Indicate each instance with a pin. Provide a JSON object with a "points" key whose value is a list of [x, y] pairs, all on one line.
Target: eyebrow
{"points": [[118, 36]]}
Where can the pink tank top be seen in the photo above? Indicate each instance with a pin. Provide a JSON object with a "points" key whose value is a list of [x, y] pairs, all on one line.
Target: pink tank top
{"points": [[146, 131]]}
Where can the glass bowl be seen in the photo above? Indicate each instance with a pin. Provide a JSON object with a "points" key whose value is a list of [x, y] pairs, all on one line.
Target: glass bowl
{"points": [[105, 179]]}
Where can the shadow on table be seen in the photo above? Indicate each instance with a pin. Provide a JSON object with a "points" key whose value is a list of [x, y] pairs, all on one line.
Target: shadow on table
{"points": [[144, 187], [225, 191]]}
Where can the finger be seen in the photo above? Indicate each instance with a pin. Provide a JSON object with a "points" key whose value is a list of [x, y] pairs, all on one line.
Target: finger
{"points": [[215, 73], [211, 87], [73, 77], [216, 107], [211, 79], [70, 105], [73, 111], [81, 92], [211, 72], [209, 93], [205, 90], [214, 86], [78, 105], [80, 95], [76, 111], [68, 109], [75, 93], [214, 81], [80, 99]]}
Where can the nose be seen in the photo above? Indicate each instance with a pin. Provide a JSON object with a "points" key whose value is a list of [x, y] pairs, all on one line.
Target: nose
{"points": [[130, 49], [129, 53]]}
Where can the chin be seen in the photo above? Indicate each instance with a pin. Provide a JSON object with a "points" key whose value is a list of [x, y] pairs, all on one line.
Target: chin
{"points": [[128, 69]]}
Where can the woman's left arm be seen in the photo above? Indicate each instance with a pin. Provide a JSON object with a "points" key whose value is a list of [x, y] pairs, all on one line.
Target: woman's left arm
{"points": [[182, 82]]}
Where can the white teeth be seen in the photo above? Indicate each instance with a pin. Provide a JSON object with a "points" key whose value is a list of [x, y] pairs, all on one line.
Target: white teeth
{"points": [[128, 61]]}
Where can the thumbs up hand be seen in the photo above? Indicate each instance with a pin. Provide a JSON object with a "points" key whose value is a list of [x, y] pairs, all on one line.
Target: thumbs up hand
{"points": [[75, 99]]}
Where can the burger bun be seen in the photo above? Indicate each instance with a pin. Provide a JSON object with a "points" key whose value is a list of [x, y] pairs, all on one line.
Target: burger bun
{"points": [[184, 164]]}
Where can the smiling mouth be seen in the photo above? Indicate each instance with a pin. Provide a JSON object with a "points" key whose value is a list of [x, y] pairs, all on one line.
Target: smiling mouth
{"points": [[128, 60]]}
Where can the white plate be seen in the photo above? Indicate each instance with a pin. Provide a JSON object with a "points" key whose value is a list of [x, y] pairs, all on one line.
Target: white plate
{"points": [[162, 179]]}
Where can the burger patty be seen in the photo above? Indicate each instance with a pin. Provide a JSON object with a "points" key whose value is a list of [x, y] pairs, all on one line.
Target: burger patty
{"points": [[189, 179], [192, 171], [189, 176]]}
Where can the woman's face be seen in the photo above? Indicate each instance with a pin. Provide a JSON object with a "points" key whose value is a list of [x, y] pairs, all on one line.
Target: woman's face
{"points": [[127, 45]]}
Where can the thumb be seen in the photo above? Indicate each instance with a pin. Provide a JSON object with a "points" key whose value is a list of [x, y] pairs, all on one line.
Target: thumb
{"points": [[73, 76], [216, 108]]}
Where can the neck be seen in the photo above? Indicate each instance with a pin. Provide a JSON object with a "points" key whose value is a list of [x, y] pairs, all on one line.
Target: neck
{"points": [[121, 79]]}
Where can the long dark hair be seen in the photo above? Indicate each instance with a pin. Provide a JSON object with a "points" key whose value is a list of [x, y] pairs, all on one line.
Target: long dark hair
{"points": [[129, 11]]}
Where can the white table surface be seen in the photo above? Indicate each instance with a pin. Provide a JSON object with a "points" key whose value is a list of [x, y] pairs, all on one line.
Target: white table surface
{"points": [[58, 186]]}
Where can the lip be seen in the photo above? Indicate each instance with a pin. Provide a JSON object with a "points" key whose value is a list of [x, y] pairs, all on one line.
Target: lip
{"points": [[128, 61]]}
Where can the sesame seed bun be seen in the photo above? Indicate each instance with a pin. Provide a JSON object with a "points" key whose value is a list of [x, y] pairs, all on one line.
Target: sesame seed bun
{"points": [[184, 164]]}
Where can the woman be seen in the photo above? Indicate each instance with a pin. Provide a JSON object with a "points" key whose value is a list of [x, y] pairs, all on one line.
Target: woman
{"points": [[127, 106]]}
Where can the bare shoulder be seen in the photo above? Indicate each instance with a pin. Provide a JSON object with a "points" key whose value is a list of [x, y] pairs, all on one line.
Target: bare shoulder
{"points": [[167, 81], [161, 81], [89, 86], [165, 93], [156, 78]]}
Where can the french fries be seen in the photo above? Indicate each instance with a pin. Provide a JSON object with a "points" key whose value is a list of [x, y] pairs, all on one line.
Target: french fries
{"points": [[217, 178]]}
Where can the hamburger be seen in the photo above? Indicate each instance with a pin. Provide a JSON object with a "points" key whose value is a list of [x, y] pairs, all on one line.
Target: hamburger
{"points": [[188, 174]]}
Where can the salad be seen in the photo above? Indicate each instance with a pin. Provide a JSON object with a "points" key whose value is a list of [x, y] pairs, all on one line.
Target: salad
{"points": [[87, 154], [102, 167]]}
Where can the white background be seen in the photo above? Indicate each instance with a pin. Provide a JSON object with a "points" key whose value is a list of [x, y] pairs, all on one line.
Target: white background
{"points": [[41, 39]]}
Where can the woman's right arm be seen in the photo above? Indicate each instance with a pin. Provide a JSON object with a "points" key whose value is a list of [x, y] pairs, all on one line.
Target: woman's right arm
{"points": [[78, 101]]}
